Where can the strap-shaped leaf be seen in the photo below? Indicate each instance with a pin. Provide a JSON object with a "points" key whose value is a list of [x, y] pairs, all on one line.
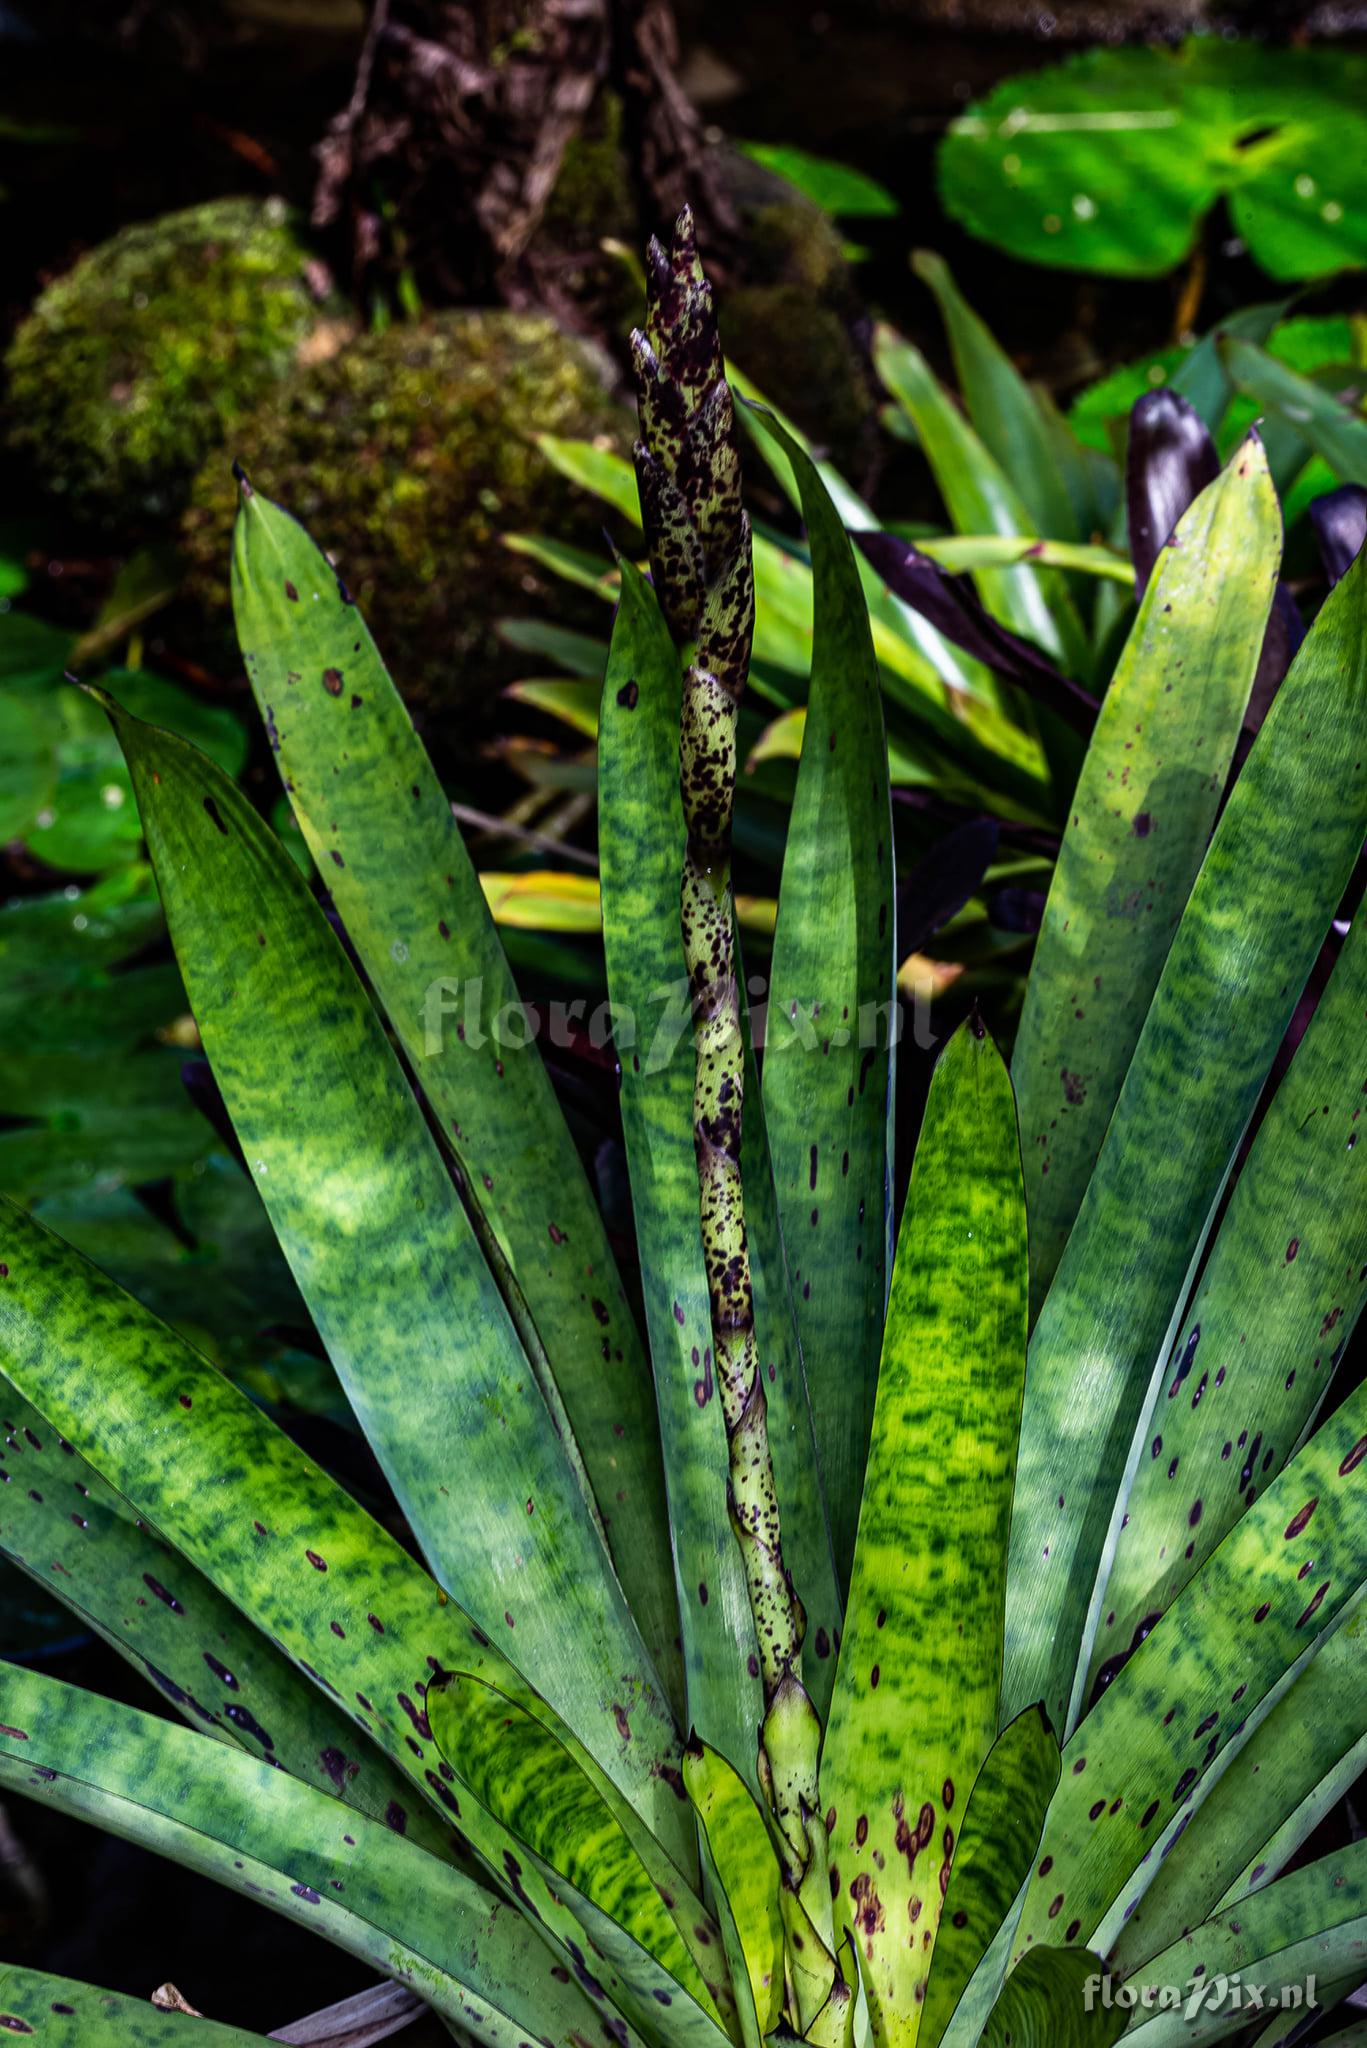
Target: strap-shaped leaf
{"points": [[1271, 1316], [361, 784], [57, 2012], [1318, 416], [263, 1834], [996, 1846], [61, 1524], [1288, 838], [1305, 1755], [749, 1879], [515, 1771], [1138, 826], [914, 1712], [641, 853], [276, 1537], [980, 499], [827, 1060], [1004, 410], [1257, 1607], [374, 1231], [1312, 1924], [1045, 2003]]}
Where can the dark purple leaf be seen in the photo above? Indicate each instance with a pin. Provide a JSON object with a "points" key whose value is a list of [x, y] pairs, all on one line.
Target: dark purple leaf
{"points": [[1170, 460], [197, 1079], [1340, 522], [951, 605], [1016, 910], [1285, 632], [938, 887]]}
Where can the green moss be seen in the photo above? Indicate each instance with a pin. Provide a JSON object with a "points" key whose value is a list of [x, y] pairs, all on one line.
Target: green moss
{"points": [[789, 241], [802, 356], [407, 457], [145, 354]]}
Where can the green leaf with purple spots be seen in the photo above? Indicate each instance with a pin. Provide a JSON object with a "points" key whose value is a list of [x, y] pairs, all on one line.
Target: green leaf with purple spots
{"points": [[57, 2012], [1138, 826], [524, 1776], [1044, 2004], [1310, 1925], [69, 1531], [827, 1057], [1223, 1653], [381, 831], [1309, 1751], [641, 854], [749, 1879], [335, 1592], [1255, 1354], [352, 1880], [914, 1714], [992, 1858], [367, 1215], [1262, 903]]}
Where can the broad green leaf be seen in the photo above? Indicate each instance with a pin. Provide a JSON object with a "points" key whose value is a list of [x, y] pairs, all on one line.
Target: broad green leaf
{"points": [[749, 1881], [1138, 825], [61, 1523], [1107, 161], [1044, 2004], [993, 1856], [1289, 836], [76, 1120], [517, 1771], [73, 1010], [641, 852], [59, 2013], [1005, 412], [1282, 1781], [376, 1236], [1321, 420], [980, 499], [827, 1066], [836, 188], [1312, 1924], [27, 771], [381, 831], [282, 1542], [350, 1879], [1278, 1299], [914, 1713], [1224, 1647]]}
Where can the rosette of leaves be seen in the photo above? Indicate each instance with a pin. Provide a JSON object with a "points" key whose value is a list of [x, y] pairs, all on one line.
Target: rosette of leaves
{"points": [[1078, 1647]]}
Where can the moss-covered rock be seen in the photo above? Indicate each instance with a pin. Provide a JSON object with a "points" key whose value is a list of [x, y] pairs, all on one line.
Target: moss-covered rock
{"points": [[407, 457], [145, 354]]}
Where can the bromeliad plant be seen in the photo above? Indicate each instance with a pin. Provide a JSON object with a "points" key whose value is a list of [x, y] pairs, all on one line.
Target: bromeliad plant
{"points": [[858, 1684]]}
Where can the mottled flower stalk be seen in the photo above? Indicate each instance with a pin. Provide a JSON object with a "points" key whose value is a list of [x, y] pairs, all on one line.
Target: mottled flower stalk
{"points": [[688, 469]]}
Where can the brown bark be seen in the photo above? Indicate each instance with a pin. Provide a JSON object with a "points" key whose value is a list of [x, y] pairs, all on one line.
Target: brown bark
{"points": [[445, 156]]}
